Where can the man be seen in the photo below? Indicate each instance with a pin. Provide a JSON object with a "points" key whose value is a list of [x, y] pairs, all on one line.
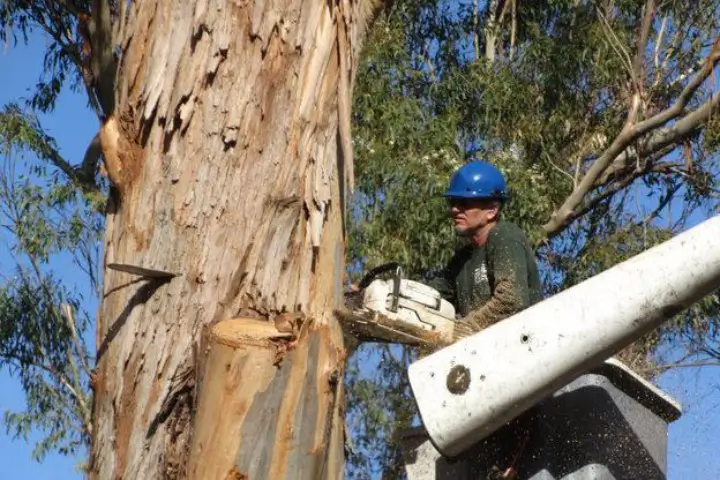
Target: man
{"points": [[495, 275]]}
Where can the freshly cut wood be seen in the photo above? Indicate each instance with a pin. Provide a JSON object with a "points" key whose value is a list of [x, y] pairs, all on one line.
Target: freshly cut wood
{"points": [[240, 365], [239, 332]]}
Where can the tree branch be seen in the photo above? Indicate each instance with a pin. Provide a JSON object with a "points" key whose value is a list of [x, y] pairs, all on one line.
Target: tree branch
{"points": [[491, 30], [428, 61], [513, 29], [76, 340], [664, 202], [618, 186], [616, 43], [24, 131], [631, 131], [682, 130], [656, 50], [103, 63], [80, 399], [90, 162], [83, 178], [476, 33], [84, 414], [638, 67], [670, 366]]}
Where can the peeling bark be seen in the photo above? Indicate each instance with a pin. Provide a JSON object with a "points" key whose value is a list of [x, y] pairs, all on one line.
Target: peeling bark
{"points": [[228, 147]]}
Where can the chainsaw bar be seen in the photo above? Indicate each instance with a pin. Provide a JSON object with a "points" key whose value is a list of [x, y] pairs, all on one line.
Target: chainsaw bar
{"points": [[372, 326]]}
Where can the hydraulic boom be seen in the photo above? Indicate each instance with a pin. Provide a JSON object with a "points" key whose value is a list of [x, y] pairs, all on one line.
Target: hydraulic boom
{"points": [[467, 390]]}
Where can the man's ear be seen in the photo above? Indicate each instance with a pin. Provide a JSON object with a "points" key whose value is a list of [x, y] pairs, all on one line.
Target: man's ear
{"points": [[494, 210]]}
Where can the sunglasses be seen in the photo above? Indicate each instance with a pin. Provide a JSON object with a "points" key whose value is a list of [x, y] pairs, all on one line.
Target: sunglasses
{"points": [[462, 203], [467, 203]]}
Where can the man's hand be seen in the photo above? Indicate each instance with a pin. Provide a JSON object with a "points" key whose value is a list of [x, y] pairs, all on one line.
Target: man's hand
{"points": [[504, 303]]}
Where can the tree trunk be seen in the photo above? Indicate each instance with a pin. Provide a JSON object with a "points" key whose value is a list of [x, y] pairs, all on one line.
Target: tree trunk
{"points": [[228, 149]]}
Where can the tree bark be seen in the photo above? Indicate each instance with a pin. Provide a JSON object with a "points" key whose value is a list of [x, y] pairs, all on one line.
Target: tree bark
{"points": [[228, 151]]}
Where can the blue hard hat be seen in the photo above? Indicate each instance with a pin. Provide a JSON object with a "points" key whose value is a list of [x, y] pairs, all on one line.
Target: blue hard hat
{"points": [[478, 180]]}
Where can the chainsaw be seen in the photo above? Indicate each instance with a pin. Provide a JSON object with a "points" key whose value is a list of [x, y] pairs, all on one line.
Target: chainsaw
{"points": [[399, 310]]}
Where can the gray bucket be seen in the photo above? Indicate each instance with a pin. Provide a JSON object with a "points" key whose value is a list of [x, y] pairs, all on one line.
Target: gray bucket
{"points": [[607, 424]]}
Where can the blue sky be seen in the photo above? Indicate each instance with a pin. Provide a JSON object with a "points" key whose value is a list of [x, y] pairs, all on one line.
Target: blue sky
{"points": [[73, 125], [692, 441]]}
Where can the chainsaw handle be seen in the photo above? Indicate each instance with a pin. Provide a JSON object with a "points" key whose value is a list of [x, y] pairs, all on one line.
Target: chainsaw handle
{"points": [[387, 267], [397, 273]]}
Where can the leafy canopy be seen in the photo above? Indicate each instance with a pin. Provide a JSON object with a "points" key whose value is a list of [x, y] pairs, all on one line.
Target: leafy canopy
{"points": [[550, 92]]}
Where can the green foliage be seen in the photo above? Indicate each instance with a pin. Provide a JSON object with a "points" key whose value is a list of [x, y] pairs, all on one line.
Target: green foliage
{"points": [[62, 60], [543, 105], [49, 211], [379, 409], [46, 219], [22, 131], [39, 348]]}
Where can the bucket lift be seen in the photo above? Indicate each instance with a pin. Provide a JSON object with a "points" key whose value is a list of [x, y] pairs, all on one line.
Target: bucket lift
{"points": [[471, 390]]}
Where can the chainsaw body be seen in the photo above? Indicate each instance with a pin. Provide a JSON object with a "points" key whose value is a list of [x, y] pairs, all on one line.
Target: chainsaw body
{"points": [[411, 303], [401, 310]]}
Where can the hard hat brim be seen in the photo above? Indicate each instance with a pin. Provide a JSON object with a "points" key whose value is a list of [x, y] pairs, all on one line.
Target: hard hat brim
{"points": [[474, 194]]}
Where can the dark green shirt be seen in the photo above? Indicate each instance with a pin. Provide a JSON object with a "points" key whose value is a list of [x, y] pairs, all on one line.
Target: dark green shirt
{"points": [[489, 283]]}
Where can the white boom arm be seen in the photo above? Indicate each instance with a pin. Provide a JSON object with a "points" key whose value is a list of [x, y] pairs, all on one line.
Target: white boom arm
{"points": [[467, 390]]}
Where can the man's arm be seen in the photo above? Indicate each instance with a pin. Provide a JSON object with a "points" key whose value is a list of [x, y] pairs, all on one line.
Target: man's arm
{"points": [[511, 290]]}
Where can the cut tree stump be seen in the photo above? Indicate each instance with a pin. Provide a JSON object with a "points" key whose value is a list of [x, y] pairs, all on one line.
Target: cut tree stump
{"points": [[242, 354]]}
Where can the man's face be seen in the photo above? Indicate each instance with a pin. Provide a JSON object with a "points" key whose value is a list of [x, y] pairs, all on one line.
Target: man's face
{"points": [[470, 215]]}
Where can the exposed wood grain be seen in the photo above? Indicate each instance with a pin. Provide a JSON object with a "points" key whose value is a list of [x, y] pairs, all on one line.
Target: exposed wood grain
{"points": [[238, 332], [233, 376]]}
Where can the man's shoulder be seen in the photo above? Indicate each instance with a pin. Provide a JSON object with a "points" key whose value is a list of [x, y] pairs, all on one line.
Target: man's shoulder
{"points": [[506, 231]]}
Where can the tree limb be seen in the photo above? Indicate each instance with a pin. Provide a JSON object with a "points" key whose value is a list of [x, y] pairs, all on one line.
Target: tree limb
{"points": [[90, 162], [638, 68], [80, 399], [76, 339], [590, 204], [491, 30], [24, 131], [513, 29], [616, 43], [84, 414], [631, 131], [83, 178], [428, 62], [670, 366], [656, 50], [682, 130], [103, 63], [476, 33]]}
